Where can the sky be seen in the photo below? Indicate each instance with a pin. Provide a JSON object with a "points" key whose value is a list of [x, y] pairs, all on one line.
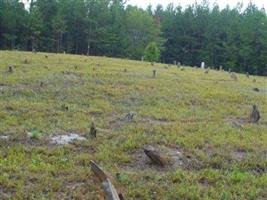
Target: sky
{"points": [[184, 3]]}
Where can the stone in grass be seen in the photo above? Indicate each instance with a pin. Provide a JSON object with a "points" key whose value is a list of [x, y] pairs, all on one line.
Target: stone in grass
{"points": [[155, 156], [254, 116], [129, 117], [154, 73], [256, 89], [93, 129], [233, 76], [26, 61], [10, 69]]}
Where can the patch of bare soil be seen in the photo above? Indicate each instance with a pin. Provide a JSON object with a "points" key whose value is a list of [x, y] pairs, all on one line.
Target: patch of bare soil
{"points": [[175, 158]]}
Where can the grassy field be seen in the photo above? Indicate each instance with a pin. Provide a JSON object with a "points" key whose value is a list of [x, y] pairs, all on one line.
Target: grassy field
{"points": [[197, 120]]}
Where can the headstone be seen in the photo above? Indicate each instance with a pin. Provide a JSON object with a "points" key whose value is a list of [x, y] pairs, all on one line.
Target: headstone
{"points": [[154, 73], [202, 65], [221, 67], [179, 64], [247, 74], [254, 116], [10, 69], [93, 129], [174, 62], [142, 58]]}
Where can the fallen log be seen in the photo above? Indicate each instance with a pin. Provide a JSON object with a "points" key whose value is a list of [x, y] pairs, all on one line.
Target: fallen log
{"points": [[110, 192]]}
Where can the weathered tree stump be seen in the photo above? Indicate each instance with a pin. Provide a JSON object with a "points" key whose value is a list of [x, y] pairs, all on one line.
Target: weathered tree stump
{"points": [[154, 156], [110, 192], [254, 116]]}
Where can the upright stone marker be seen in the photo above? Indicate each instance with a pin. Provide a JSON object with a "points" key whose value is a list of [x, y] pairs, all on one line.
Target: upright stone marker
{"points": [[202, 65]]}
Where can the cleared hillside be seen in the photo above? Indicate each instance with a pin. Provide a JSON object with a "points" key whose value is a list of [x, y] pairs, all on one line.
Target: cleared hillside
{"points": [[197, 120]]}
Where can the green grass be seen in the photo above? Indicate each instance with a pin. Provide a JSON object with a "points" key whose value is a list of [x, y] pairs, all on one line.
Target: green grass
{"points": [[186, 110]]}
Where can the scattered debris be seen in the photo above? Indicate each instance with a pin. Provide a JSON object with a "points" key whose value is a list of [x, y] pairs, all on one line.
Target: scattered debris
{"points": [[108, 188], [155, 157], [66, 139], [254, 116]]}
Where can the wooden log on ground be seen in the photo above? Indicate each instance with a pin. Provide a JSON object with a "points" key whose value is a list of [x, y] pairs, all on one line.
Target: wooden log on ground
{"points": [[154, 156], [110, 192]]}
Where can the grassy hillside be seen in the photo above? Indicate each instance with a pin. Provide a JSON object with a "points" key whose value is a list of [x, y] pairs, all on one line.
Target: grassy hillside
{"points": [[197, 120]]}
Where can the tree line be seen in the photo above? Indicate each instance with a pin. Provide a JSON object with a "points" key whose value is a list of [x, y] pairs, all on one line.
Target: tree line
{"points": [[235, 38]]}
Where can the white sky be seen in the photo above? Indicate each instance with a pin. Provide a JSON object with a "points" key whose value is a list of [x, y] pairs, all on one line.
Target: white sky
{"points": [[184, 3]]}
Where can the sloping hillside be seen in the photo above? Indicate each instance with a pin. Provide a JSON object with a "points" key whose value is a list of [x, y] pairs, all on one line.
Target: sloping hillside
{"points": [[197, 121]]}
